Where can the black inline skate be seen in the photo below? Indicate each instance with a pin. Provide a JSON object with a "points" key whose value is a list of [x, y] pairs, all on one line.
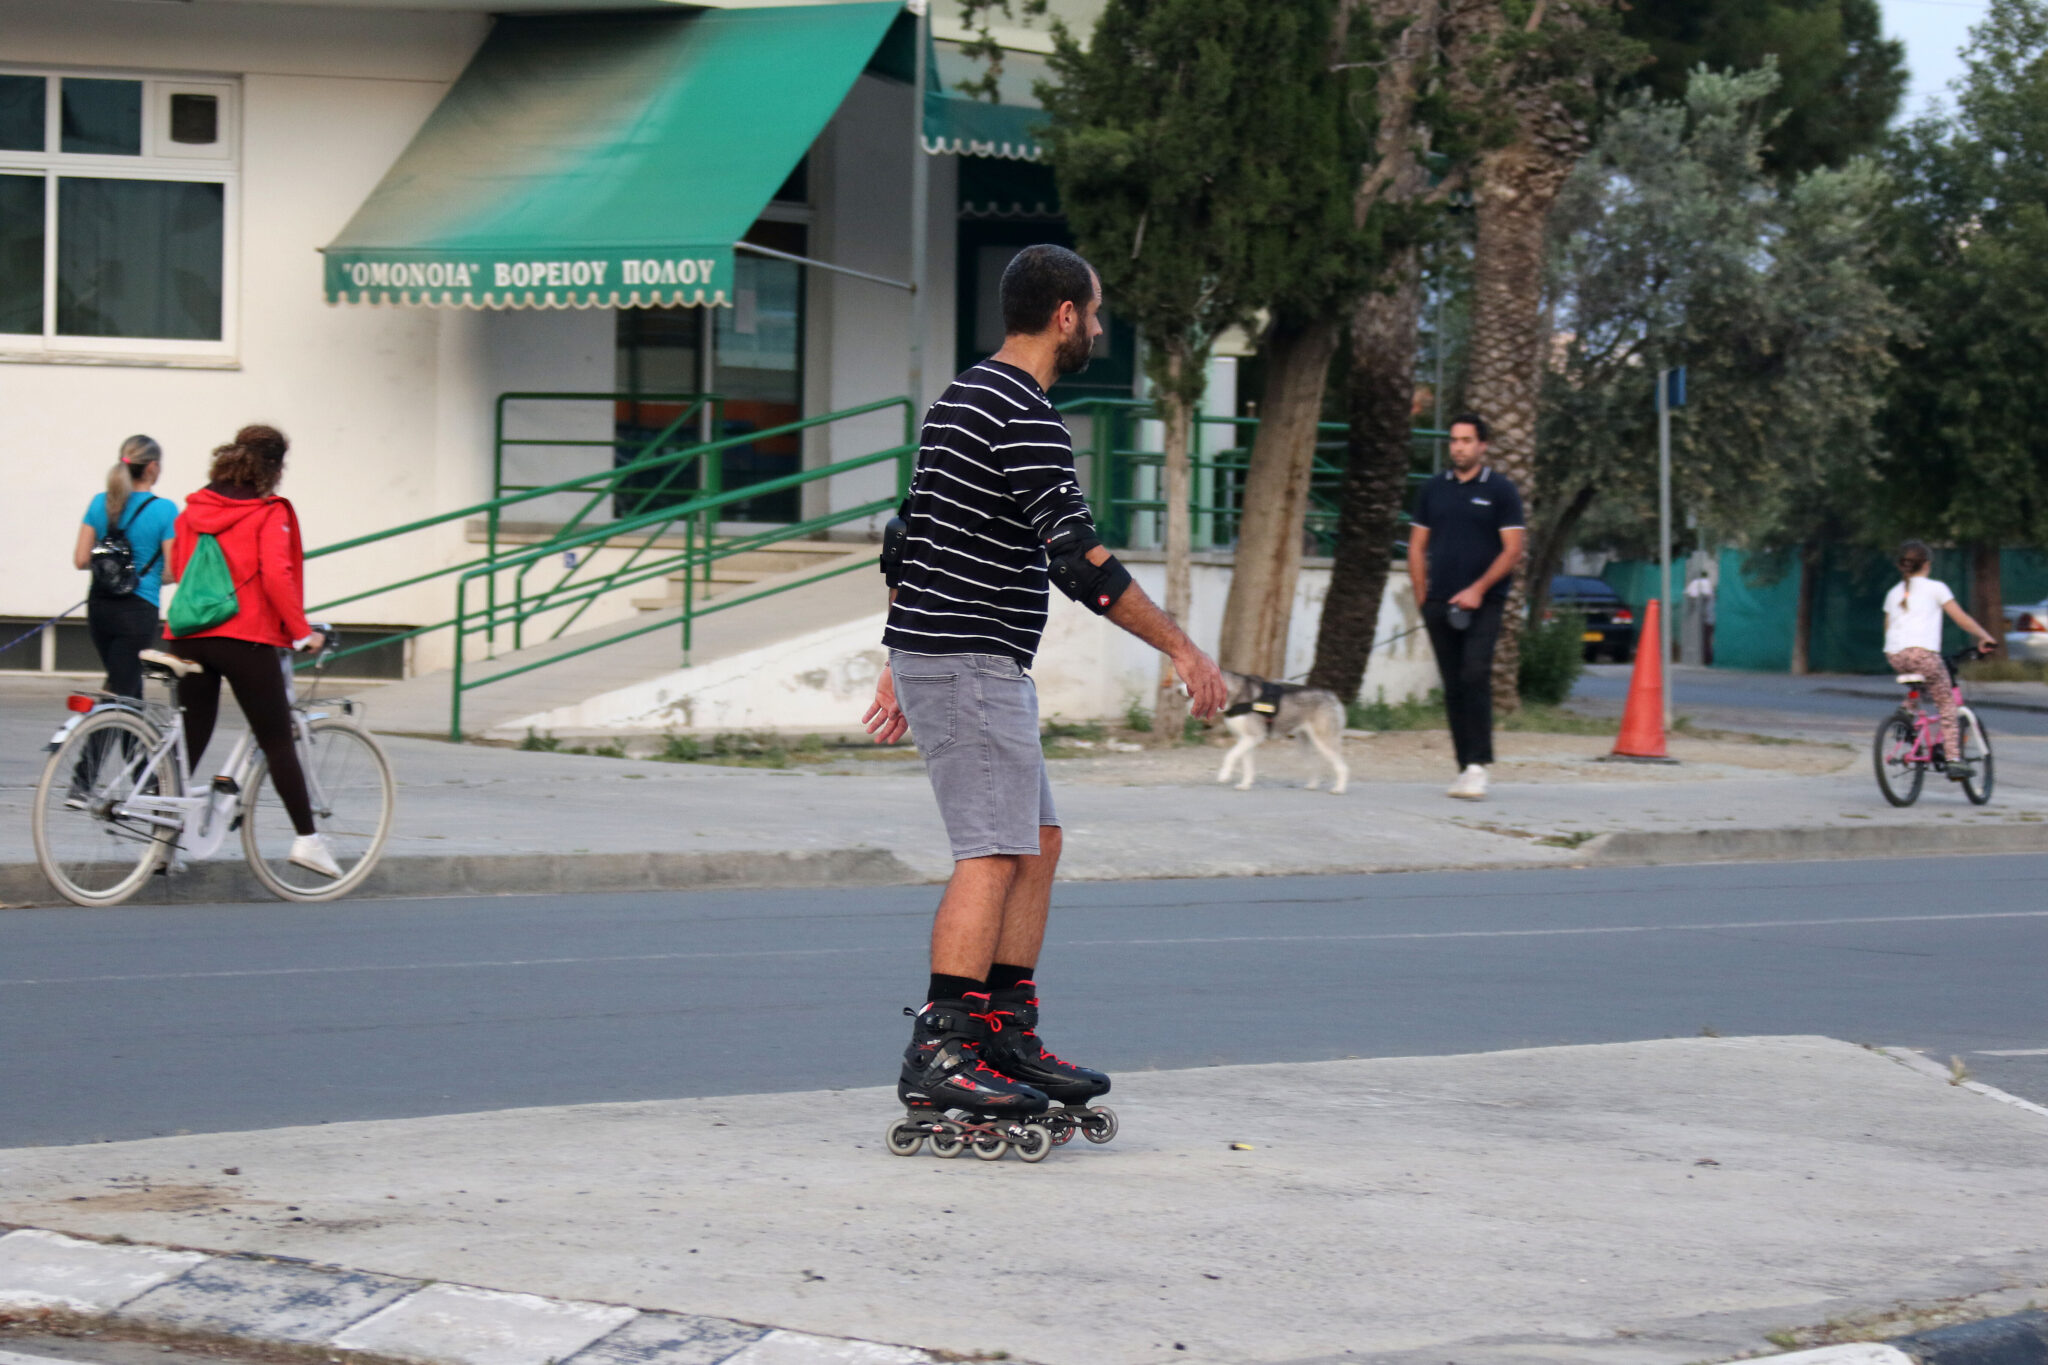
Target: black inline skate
{"points": [[952, 1096], [1015, 1049]]}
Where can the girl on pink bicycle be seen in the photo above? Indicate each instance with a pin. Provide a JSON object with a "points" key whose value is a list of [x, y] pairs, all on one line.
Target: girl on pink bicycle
{"points": [[1912, 640]]}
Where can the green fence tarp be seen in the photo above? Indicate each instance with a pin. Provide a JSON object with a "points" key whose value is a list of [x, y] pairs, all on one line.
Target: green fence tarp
{"points": [[1756, 606]]}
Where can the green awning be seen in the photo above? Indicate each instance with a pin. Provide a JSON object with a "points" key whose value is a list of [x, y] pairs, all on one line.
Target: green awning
{"points": [[967, 126], [603, 161]]}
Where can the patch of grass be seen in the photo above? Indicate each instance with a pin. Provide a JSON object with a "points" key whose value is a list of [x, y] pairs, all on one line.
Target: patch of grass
{"points": [[539, 744], [1136, 717], [1194, 731], [1064, 729], [2005, 670], [1410, 713], [734, 750], [1571, 840], [1544, 719], [612, 750]]}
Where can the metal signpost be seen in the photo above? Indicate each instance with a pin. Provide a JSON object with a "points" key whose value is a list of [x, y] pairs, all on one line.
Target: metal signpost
{"points": [[1670, 394]]}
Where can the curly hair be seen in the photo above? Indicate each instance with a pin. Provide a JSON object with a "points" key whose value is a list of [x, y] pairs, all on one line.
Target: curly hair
{"points": [[254, 459]]}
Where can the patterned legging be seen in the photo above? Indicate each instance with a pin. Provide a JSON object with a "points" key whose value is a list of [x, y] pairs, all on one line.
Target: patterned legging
{"points": [[1928, 665]]}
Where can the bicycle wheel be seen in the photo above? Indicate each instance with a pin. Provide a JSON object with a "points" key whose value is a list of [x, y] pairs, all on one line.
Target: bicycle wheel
{"points": [[93, 849], [1898, 776], [1977, 751], [350, 782]]}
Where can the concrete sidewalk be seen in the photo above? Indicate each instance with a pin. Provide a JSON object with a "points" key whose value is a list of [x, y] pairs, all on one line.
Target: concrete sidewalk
{"points": [[1644, 1204], [484, 820]]}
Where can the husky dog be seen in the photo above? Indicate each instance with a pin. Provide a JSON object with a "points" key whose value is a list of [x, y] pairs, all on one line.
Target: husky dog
{"points": [[1259, 710]]}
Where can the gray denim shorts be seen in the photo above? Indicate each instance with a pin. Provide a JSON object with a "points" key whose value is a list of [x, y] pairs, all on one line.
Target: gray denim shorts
{"points": [[974, 717]]}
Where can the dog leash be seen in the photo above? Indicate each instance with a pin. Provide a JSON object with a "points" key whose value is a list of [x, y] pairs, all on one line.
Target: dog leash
{"points": [[38, 630], [1376, 644]]}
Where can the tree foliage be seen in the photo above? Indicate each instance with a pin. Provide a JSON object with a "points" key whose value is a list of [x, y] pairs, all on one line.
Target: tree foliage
{"points": [[1673, 245], [1969, 232], [1840, 83]]}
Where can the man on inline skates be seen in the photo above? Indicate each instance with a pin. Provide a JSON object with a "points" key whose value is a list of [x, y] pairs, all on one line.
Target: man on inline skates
{"points": [[994, 519]]}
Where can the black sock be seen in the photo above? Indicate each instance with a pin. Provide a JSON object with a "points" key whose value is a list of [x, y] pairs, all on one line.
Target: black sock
{"points": [[1003, 975], [945, 987]]}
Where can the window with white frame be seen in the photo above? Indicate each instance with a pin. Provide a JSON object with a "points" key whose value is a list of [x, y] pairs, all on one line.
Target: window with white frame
{"points": [[117, 211]]}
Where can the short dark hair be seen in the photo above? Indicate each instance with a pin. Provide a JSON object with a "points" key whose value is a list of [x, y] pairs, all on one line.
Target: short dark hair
{"points": [[1037, 281], [1474, 421]]}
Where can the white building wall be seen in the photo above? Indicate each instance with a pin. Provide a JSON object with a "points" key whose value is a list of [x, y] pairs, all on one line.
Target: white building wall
{"points": [[863, 224], [329, 99]]}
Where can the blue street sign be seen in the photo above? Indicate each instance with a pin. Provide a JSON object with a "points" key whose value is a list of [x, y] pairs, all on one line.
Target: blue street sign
{"points": [[1674, 387]]}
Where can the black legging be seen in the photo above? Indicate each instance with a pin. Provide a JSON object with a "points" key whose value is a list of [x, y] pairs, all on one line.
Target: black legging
{"points": [[121, 628], [257, 673]]}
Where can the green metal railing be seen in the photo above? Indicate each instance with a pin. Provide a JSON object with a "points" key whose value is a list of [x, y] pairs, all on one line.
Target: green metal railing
{"points": [[576, 542], [1118, 472], [685, 563]]}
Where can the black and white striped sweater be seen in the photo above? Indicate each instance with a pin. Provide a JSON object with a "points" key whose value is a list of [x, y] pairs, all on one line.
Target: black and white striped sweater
{"points": [[995, 477]]}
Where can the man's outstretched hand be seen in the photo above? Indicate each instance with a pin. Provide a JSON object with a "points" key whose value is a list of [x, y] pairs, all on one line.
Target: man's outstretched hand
{"points": [[885, 720], [1204, 682]]}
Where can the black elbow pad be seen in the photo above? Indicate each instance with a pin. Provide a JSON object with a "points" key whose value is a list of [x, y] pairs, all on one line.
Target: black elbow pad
{"points": [[894, 537], [1094, 586]]}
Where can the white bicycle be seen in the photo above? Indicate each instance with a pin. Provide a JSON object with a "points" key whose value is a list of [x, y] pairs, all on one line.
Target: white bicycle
{"points": [[117, 800]]}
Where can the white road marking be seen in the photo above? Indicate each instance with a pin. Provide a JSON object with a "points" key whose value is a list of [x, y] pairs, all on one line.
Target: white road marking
{"points": [[2012, 1052], [1408, 937]]}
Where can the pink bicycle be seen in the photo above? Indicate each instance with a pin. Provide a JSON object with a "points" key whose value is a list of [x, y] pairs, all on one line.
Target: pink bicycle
{"points": [[1910, 738]]}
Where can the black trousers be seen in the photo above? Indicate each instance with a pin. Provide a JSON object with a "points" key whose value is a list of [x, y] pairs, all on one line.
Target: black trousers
{"points": [[1464, 659], [121, 628], [263, 689]]}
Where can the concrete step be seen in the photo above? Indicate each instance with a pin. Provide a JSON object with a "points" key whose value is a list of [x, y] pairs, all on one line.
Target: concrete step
{"points": [[421, 705]]}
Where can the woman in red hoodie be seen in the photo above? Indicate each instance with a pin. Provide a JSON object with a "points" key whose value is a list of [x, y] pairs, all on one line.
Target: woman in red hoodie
{"points": [[258, 534]]}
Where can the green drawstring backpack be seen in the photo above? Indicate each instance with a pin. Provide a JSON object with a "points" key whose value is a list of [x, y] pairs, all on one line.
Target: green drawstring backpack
{"points": [[206, 594]]}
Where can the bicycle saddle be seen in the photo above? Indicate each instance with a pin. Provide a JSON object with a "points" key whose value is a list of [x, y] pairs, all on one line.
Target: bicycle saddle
{"points": [[1911, 678], [169, 663]]}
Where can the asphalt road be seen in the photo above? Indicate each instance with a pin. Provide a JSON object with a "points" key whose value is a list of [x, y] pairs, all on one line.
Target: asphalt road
{"points": [[129, 1023]]}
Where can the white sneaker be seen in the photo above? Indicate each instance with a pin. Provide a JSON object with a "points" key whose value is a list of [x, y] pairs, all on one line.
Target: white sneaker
{"points": [[1470, 784], [311, 851]]}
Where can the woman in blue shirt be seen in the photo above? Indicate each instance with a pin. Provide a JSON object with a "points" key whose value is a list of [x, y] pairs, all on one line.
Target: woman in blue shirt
{"points": [[124, 625]]}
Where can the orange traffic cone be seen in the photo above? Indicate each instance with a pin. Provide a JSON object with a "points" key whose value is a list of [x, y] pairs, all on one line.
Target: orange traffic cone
{"points": [[1642, 721]]}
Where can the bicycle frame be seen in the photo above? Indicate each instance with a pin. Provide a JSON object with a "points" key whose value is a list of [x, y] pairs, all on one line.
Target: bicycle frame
{"points": [[199, 822], [1927, 722]]}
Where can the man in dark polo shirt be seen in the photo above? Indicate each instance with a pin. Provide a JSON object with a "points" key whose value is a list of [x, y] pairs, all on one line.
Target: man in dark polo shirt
{"points": [[1468, 537]]}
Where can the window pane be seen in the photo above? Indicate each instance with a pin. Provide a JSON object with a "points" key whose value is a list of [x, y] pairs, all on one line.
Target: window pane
{"points": [[21, 253], [21, 113], [139, 258], [103, 118]]}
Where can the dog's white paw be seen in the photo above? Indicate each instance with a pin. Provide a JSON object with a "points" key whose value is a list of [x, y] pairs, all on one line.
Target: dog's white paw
{"points": [[1245, 785], [1336, 791]]}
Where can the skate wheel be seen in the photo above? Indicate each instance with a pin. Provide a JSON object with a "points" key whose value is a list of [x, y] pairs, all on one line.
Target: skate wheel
{"points": [[1062, 1132], [904, 1137], [1101, 1126], [990, 1146], [949, 1142], [1035, 1143]]}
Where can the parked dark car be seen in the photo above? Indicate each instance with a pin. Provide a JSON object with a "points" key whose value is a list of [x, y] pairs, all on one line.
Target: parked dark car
{"points": [[1610, 624]]}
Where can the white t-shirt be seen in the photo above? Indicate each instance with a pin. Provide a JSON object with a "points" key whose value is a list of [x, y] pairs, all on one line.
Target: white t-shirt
{"points": [[1913, 620]]}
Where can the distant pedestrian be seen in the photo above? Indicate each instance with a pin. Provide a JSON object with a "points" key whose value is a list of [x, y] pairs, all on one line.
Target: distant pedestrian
{"points": [[126, 543], [1699, 597], [1466, 540], [1912, 643]]}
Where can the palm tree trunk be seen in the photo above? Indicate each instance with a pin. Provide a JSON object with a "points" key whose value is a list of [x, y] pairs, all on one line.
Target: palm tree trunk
{"points": [[1260, 607], [1516, 185], [1379, 401]]}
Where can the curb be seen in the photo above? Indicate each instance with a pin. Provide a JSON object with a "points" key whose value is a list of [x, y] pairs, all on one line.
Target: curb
{"points": [[285, 1302], [2021, 1339], [227, 879], [1976, 703], [488, 874], [1831, 841]]}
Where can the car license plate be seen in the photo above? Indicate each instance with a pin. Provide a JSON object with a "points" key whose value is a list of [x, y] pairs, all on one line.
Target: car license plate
{"points": [[1592, 636]]}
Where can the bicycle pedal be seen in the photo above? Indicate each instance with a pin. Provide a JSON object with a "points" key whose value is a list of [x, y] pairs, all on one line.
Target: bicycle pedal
{"points": [[224, 783]]}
